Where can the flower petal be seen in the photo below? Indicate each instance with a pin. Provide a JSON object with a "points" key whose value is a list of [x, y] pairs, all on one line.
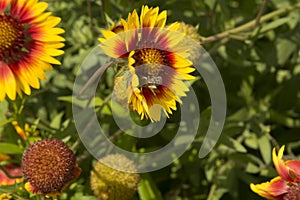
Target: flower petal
{"points": [[294, 167], [280, 165], [7, 82], [3, 5], [272, 189]]}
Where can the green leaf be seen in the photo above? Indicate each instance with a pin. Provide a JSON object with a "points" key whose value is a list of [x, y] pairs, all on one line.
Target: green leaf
{"points": [[8, 148], [285, 48], [251, 168], [251, 141], [56, 122], [80, 196], [284, 120], [3, 109], [147, 189], [265, 148], [232, 143], [274, 24]]}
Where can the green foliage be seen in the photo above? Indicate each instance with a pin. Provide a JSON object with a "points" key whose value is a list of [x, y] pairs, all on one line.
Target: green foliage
{"points": [[260, 67]]}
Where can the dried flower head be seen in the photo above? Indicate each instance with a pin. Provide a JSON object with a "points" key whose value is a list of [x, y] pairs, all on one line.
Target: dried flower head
{"points": [[49, 166]]}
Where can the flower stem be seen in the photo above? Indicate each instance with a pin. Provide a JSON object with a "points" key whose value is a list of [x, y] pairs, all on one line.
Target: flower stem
{"points": [[250, 25], [261, 11], [212, 191]]}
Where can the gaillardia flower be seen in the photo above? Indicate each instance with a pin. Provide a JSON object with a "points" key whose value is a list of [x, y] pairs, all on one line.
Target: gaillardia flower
{"points": [[109, 183], [49, 166], [28, 42], [157, 61], [286, 186]]}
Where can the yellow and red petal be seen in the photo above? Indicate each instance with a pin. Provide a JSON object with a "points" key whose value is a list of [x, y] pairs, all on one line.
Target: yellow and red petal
{"points": [[281, 168], [150, 17], [38, 44], [30, 188], [271, 190], [149, 102], [294, 167], [28, 11], [8, 85], [3, 5], [133, 21], [13, 170]]}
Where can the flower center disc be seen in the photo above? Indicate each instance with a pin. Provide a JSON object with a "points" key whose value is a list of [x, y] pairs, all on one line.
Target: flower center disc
{"points": [[11, 37], [150, 64]]}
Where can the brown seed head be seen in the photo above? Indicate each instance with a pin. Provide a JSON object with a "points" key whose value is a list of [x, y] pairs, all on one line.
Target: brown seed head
{"points": [[49, 165]]}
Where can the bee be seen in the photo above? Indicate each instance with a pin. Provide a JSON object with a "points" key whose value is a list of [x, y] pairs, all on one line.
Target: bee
{"points": [[150, 81]]}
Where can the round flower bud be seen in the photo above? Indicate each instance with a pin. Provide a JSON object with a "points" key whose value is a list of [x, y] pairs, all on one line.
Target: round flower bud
{"points": [[49, 166], [194, 40], [109, 184]]}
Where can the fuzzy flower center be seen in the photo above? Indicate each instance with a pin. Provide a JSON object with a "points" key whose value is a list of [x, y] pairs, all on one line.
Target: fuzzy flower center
{"points": [[151, 65], [148, 56], [11, 37], [293, 193], [48, 165]]}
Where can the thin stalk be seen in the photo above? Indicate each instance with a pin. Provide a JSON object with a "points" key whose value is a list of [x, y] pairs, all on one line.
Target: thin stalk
{"points": [[250, 25], [261, 11], [95, 76], [211, 192]]}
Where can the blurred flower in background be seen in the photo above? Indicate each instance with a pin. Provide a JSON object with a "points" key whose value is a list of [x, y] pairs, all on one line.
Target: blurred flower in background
{"points": [[286, 186], [26, 132], [12, 169], [5, 196], [28, 42], [108, 183], [49, 166], [193, 41], [157, 60]]}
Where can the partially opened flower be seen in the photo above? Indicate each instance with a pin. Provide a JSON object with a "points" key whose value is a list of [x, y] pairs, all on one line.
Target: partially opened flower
{"points": [[286, 186], [157, 60], [49, 166], [28, 42]]}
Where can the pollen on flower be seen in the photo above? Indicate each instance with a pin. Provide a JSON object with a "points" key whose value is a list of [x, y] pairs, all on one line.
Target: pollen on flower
{"points": [[149, 55], [49, 166], [11, 37]]}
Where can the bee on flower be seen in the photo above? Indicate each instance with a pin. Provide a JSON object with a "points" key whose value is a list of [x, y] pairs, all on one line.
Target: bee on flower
{"points": [[157, 58]]}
